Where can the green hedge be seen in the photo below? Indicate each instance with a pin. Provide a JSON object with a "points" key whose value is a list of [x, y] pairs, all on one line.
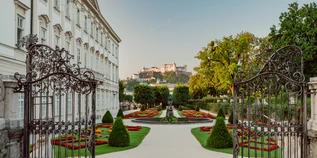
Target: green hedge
{"points": [[107, 118], [180, 95], [119, 137], [220, 137]]}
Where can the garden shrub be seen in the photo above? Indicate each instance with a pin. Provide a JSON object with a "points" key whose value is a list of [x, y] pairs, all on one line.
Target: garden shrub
{"points": [[159, 108], [197, 108], [230, 120], [119, 137], [170, 119], [220, 137], [142, 108], [120, 113], [107, 118], [221, 114], [208, 99], [179, 108], [180, 94]]}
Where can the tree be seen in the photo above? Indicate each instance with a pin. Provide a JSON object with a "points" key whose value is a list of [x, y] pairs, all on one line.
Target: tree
{"points": [[220, 137], [144, 94], [221, 113], [298, 27], [119, 137], [199, 87], [222, 59], [128, 98], [107, 118], [130, 84], [161, 94], [121, 90], [120, 113], [180, 95]]}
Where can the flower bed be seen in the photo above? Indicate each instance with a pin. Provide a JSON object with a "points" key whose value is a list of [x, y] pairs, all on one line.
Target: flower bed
{"points": [[270, 145], [196, 114], [143, 114], [71, 142]]}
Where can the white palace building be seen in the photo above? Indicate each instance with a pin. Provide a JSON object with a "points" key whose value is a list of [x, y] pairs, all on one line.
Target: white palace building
{"points": [[76, 25]]}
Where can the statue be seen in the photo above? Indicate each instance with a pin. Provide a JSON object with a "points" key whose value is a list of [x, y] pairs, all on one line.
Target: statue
{"points": [[169, 109]]}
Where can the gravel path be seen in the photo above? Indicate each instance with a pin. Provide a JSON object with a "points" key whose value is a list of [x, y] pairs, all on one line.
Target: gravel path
{"points": [[168, 141]]}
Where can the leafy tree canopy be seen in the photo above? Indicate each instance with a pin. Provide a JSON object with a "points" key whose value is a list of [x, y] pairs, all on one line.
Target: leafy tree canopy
{"points": [[298, 27]]}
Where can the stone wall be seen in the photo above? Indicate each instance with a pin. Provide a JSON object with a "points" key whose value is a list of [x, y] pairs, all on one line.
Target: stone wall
{"points": [[312, 123], [11, 126]]}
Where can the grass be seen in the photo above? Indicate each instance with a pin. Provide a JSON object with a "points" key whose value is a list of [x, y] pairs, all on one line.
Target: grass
{"points": [[203, 136], [158, 115], [181, 114], [136, 138]]}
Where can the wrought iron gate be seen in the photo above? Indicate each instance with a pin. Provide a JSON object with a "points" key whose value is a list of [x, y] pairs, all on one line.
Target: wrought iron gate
{"points": [[59, 117], [270, 109]]}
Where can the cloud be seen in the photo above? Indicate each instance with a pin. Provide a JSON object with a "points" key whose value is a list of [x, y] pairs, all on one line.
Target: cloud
{"points": [[167, 22]]}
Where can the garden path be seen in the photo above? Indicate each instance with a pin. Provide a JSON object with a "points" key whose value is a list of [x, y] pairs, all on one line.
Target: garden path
{"points": [[168, 141]]}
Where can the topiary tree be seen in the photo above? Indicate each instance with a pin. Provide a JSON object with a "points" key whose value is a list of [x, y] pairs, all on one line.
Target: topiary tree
{"points": [[180, 95], [230, 120], [120, 113], [221, 113], [197, 108], [159, 108], [142, 108], [144, 94], [107, 118], [220, 137], [119, 137], [180, 108]]}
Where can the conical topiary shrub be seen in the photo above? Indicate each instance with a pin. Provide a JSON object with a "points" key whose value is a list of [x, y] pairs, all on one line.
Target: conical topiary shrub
{"points": [[230, 120], [220, 137], [120, 113], [179, 108], [221, 114], [107, 118], [119, 137]]}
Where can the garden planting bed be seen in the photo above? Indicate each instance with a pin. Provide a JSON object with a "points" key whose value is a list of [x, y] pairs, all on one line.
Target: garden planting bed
{"points": [[257, 143], [143, 114], [77, 144], [180, 120], [196, 114]]}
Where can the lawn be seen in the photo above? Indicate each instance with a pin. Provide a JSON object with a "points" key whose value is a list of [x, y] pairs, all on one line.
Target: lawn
{"points": [[136, 138], [181, 114], [157, 116], [203, 136]]}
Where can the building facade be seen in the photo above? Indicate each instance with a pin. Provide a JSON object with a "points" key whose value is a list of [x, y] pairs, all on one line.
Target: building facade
{"points": [[76, 25]]}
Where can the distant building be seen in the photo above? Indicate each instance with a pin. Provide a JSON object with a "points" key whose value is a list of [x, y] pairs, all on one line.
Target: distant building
{"points": [[154, 72]]}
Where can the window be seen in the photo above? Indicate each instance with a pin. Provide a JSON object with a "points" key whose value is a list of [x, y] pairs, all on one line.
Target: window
{"points": [[43, 104], [67, 46], [85, 23], [69, 103], [97, 63], [102, 100], [101, 40], [92, 29], [57, 103], [91, 60], [56, 41], [85, 63], [97, 33], [21, 105], [78, 17], [116, 52], [20, 21], [112, 50], [67, 8], [78, 54], [56, 4], [43, 35], [98, 101]]}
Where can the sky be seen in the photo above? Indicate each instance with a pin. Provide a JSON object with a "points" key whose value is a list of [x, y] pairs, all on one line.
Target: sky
{"points": [[155, 32]]}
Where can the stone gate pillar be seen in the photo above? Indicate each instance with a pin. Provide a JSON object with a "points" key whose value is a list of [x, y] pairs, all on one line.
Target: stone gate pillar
{"points": [[312, 123], [10, 123]]}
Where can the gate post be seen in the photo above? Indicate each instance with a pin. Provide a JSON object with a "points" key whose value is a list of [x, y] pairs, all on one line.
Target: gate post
{"points": [[10, 124], [312, 123]]}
